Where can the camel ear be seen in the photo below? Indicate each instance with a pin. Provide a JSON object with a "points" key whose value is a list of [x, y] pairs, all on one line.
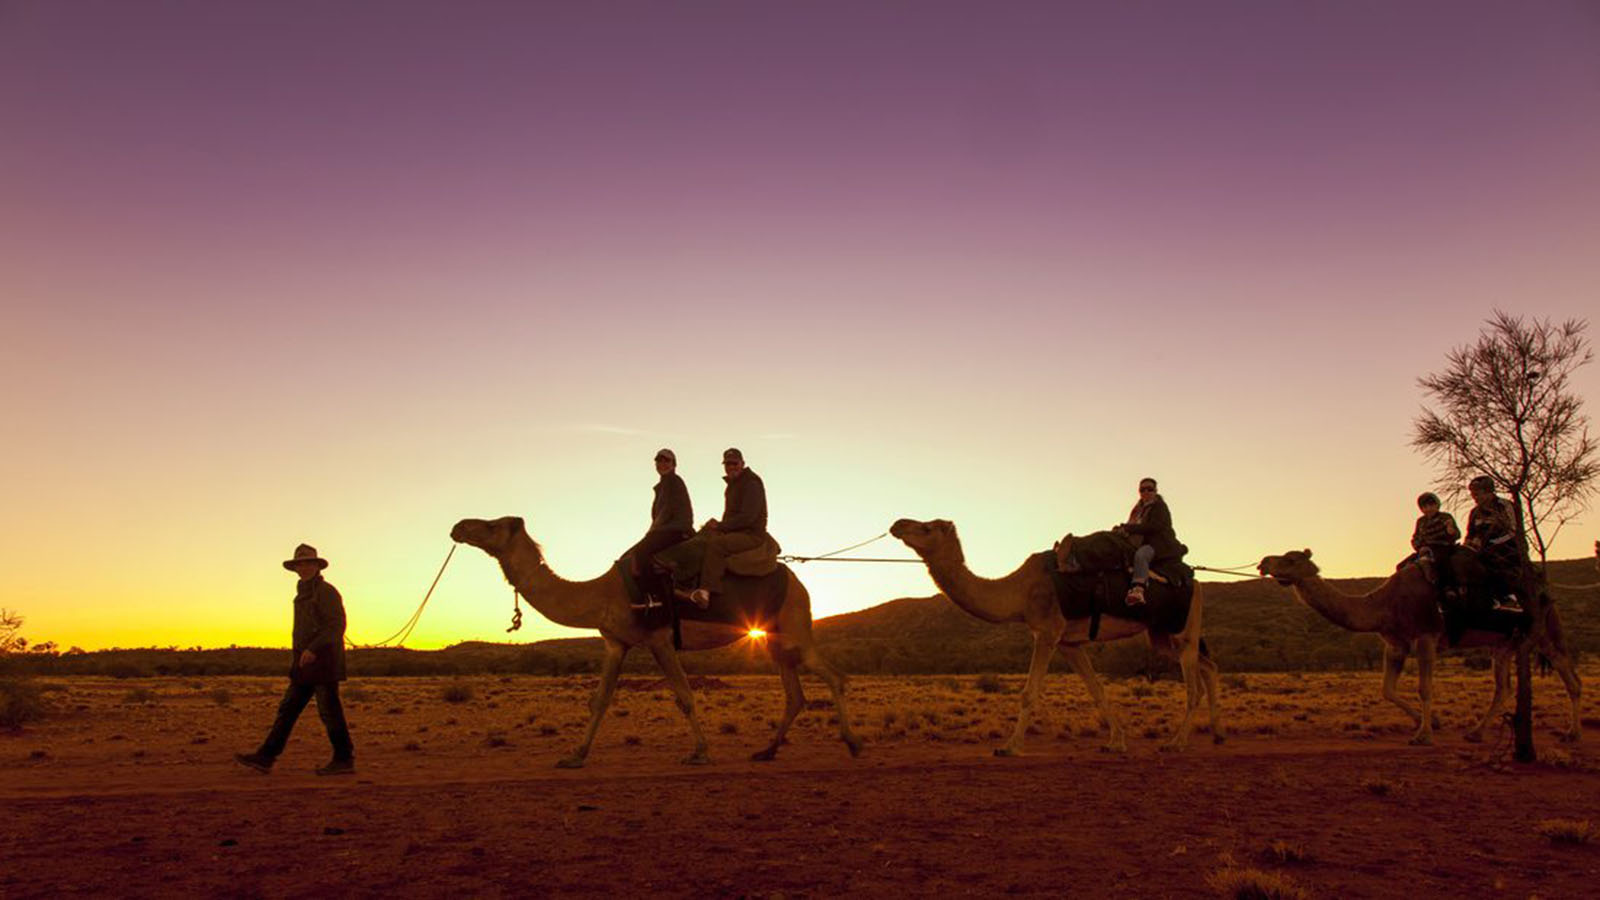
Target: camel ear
{"points": [[1307, 552], [520, 525]]}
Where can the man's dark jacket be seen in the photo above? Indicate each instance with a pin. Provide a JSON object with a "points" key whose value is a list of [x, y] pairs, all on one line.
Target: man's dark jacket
{"points": [[1155, 526], [744, 504], [318, 627], [671, 511]]}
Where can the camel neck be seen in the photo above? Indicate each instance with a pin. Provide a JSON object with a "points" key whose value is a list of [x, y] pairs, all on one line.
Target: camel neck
{"points": [[992, 600], [1354, 612], [575, 604]]}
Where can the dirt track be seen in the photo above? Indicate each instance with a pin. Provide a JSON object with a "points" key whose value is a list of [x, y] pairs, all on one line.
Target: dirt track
{"points": [[1365, 817]]}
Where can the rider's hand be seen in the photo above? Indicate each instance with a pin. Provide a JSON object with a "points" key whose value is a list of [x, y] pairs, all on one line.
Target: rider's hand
{"points": [[307, 658]]}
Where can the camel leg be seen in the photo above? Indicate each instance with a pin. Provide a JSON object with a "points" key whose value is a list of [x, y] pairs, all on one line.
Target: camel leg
{"points": [[1118, 742], [1209, 678], [1562, 663], [835, 681], [1394, 663], [1426, 653], [1189, 661], [667, 659], [1044, 645], [1502, 686], [794, 700], [599, 701]]}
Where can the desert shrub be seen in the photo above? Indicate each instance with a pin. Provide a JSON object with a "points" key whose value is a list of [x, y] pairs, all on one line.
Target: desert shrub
{"points": [[1142, 690], [21, 702], [496, 739], [1567, 831], [456, 693], [355, 693], [1253, 884], [989, 683], [1286, 853], [221, 696], [728, 728], [1236, 682], [1478, 662], [139, 695]]}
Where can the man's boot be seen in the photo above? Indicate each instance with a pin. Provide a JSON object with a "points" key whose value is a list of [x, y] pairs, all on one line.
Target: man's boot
{"points": [[258, 761]]}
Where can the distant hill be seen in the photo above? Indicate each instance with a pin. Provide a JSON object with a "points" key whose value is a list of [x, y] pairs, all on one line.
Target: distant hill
{"points": [[1250, 626]]}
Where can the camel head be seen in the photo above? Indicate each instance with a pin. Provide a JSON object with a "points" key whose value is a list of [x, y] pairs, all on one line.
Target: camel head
{"points": [[1289, 569], [932, 540], [492, 536]]}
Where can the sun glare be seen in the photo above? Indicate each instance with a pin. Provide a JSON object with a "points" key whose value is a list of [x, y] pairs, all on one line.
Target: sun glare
{"points": [[757, 634]]}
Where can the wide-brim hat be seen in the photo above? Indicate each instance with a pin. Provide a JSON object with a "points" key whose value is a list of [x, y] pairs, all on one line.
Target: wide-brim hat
{"points": [[305, 553]]}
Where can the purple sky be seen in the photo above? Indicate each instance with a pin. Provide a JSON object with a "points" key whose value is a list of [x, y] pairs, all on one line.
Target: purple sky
{"points": [[851, 223]]}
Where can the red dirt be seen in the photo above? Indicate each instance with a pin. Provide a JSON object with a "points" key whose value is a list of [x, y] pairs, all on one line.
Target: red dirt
{"points": [[1371, 817]]}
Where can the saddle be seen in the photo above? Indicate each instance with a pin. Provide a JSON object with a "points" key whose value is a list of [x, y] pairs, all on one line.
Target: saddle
{"points": [[1092, 575], [746, 601]]}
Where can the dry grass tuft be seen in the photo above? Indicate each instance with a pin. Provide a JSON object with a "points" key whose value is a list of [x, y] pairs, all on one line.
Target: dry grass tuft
{"points": [[139, 696], [456, 693], [990, 683], [1566, 831], [221, 696], [1253, 884], [21, 702], [1286, 853], [1378, 787]]}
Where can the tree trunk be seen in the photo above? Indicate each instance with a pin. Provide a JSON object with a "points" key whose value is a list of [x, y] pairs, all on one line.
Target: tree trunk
{"points": [[1522, 719]]}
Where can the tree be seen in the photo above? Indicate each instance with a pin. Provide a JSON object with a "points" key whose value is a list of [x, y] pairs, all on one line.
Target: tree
{"points": [[1506, 410], [11, 639]]}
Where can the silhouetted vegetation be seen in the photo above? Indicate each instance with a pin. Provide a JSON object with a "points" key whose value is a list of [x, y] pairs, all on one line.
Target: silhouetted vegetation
{"points": [[1254, 626]]}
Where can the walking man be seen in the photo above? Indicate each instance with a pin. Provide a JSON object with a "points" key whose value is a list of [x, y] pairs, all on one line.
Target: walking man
{"points": [[316, 669]]}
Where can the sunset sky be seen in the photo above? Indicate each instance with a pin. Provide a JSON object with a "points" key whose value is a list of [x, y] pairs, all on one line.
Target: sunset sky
{"points": [[345, 273]]}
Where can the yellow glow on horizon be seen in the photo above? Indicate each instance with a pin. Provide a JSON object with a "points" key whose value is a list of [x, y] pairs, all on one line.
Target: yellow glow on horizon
{"points": [[756, 634]]}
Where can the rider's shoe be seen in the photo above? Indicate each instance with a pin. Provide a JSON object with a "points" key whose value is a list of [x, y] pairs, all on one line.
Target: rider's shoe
{"points": [[1136, 595]]}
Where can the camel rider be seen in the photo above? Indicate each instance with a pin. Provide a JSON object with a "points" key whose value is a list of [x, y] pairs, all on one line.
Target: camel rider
{"points": [[1498, 557], [743, 525], [1434, 540], [1150, 525], [671, 514]]}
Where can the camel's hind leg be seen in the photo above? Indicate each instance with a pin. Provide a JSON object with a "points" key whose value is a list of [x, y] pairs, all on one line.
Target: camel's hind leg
{"points": [[598, 702], [1209, 679], [1562, 663], [1394, 663], [1044, 647], [667, 659], [1118, 742], [1502, 687], [794, 700], [835, 681]]}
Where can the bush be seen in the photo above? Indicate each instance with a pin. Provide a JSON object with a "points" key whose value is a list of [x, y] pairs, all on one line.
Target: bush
{"points": [[1567, 831], [139, 695], [456, 693], [221, 696], [21, 702], [1253, 884], [989, 683]]}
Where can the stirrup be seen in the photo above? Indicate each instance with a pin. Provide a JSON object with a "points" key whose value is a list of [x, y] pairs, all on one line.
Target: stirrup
{"points": [[1135, 596], [1508, 603], [700, 597]]}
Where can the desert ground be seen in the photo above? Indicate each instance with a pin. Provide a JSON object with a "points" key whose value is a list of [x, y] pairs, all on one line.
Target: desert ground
{"points": [[129, 789]]}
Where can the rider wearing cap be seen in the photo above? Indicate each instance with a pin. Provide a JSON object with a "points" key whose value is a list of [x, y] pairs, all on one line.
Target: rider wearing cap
{"points": [[1494, 568], [743, 525], [671, 514]]}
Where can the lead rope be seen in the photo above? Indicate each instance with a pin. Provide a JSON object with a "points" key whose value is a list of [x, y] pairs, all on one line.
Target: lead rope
{"points": [[516, 612], [405, 630]]}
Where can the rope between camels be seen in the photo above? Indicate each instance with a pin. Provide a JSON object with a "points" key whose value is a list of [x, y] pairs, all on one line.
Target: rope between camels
{"points": [[405, 630], [1228, 571], [833, 555]]}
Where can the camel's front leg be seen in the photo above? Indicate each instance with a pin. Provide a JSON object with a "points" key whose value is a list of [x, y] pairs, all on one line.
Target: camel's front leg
{"points": [[1502, 686], [1394, 663], [1117, 743], [598, 702], [1044, 646], [794, 700], [667, 659], [1427, 652]]}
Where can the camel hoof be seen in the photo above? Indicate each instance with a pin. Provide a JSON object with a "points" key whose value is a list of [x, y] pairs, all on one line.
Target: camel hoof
{"points": [[1473, 737], [1218, 738], [767, 755], [1173, 747], [570, 762], [1114, 748], [1006, 752], [854, 747], [697, 758], [1421, 740]]}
